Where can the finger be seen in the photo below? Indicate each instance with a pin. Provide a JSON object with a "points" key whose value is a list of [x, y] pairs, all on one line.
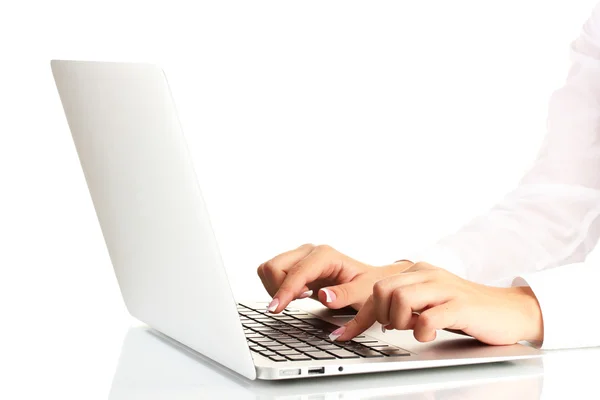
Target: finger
{"points": [[363, 320], [345, 294], [411, 323], [383, 289], [321, 263], [285, 261], [272, 287], [268, 283], [417, 297], [443, 316], [273, 272]]}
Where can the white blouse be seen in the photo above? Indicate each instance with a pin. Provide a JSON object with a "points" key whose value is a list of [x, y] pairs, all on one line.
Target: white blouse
{"points": [[541, 233]]}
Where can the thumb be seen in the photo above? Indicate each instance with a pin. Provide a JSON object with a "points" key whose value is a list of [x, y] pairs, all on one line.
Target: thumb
{"points": [[345, 294], [361, 322]]}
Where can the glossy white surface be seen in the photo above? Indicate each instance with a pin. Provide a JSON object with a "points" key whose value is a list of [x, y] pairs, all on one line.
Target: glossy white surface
{"points": [[150, 368]]}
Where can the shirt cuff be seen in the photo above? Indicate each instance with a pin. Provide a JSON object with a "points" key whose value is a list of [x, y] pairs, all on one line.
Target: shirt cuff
{"points": [[441, 257], [568, 299]]}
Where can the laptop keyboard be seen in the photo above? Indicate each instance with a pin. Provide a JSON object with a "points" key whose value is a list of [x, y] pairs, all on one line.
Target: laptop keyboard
{"points": [[294, 335]]}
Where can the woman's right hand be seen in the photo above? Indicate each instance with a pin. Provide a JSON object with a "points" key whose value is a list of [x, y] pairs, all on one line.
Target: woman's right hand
{"points": [[335, 279]]}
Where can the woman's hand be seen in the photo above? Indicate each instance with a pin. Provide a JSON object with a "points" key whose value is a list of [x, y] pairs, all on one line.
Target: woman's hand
{"points": [[339, 280], [426, 298]]}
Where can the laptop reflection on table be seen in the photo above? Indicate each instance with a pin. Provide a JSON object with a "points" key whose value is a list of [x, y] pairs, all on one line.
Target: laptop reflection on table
{"points": [[152, 366]]}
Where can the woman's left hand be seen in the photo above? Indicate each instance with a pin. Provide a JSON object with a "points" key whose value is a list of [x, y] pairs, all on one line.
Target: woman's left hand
{"points": [[426, 298]]}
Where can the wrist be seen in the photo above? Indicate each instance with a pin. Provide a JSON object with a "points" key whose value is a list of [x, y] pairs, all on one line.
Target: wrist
{"points": [[534, 324]]}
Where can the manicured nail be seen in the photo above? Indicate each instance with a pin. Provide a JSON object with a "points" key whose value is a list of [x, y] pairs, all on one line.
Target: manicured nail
{"points": [[306, 294], [337, 333], [329, 295], [273, 305]]}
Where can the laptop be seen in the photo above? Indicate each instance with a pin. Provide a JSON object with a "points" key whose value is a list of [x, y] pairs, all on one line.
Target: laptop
{"points": [[152, 366], [166, 258]]}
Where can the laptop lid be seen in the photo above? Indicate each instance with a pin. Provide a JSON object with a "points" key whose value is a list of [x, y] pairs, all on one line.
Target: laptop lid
{"points": [[149, 205]]}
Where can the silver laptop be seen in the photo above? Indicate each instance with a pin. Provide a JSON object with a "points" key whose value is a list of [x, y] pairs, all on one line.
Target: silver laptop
{"points": [[167, 262], [153, 367]]}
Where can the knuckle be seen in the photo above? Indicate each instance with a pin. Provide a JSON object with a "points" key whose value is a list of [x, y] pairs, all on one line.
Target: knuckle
{"points": [[342, 293], [419, 265], [307, 246], [269, 267], [399, 296], [296, 269], [259, 270], [324, 248], [379, 289]]}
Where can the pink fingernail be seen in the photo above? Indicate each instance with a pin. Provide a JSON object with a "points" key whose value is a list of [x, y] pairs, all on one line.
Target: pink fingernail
{"points": [[273, 305], [337, 333], [329, 295], [306, 294]]}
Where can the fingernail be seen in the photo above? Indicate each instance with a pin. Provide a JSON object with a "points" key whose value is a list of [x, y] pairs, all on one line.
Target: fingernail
{"points": [[329, 295], [273, 305], [306, 294], [337, 333]]}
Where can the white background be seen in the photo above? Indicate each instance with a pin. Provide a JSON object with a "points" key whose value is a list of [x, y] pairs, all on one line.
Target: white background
{"points": [[376, 127]]}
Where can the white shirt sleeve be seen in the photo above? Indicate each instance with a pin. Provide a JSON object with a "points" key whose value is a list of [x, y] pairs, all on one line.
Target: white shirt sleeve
{"points": [[541, 233]]}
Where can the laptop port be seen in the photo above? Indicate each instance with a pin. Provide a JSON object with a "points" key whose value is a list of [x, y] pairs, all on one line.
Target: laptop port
{"points": [[315, 371]]}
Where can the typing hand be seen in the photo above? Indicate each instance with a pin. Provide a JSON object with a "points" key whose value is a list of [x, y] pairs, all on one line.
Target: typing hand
{"points": [[425, 298], [320, 271]]}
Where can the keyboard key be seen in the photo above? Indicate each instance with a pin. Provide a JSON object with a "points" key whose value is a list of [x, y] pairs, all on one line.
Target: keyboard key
{"points": [[278, 358], [297, 357], [267, 353], [294, 312], [323, 325], [297, 345], [266, 343], [278, 348], [318, 343], [366, 340], [288, 352], [262, 319], [283, 317], [272, 323], [280, 335], [376, 344], [251, 314], [260, 339], [329, 346], [368, 353], [321, 355], [353, 346], [263, 328], [306, 349], [396, 353], [310, 349], [288, 340], [341, 353], [384, 348]]}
